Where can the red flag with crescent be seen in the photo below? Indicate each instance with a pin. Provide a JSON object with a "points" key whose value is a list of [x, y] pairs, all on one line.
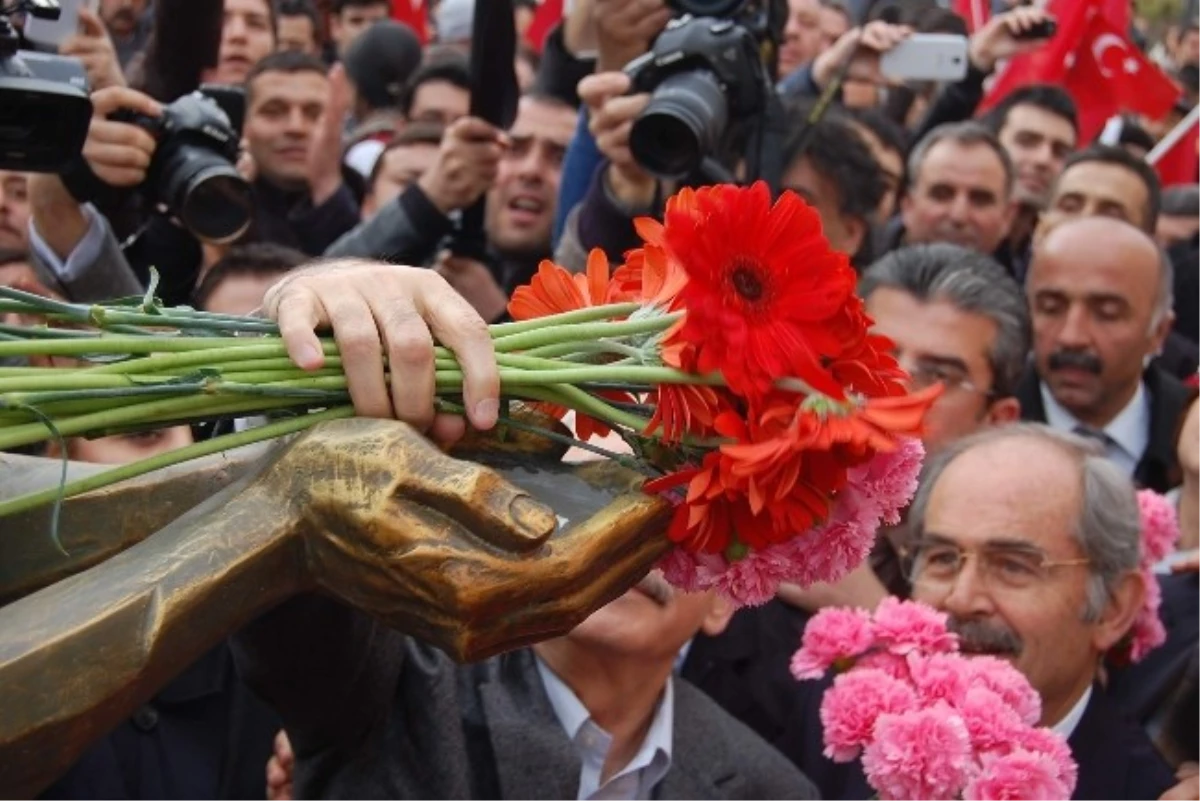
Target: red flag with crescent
{"points": [[413, 14]]}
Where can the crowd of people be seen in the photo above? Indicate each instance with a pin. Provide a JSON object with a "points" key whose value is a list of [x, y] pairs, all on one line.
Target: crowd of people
{"points": [[1047, 282]]}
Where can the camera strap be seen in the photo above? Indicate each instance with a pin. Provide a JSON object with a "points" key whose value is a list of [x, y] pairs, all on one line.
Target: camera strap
{"points": [[494, 98], [85, 186]]}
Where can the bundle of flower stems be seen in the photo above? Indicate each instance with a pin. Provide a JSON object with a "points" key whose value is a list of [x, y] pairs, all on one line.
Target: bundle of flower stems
{"points": [[137, 366]]}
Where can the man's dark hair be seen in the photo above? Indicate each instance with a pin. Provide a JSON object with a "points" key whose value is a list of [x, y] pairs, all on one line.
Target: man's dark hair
{"points": [[971, 282], [288, 61], [838, 154], [1047, 97], [300, 8], [1134, 134], [414, 133], [445, 65], [338, 6], [258, 259], [966, 134], [1181, 201], [1120, 157], [886, 130]]}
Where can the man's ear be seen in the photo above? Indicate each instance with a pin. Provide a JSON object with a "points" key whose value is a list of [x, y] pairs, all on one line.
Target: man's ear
{"points": [[720, 612], [856, 229], [1119, 613], [1004, 410]]}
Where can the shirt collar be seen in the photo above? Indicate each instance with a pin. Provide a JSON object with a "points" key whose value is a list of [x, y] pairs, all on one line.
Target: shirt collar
{"points": [[1066, 727], [655, 750], [1129, 430]]}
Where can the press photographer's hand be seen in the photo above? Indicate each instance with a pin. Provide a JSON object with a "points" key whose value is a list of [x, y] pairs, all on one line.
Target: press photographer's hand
{"points": [[625, 29], [865, 45], [1001, 37], [119, 153], [611, 115], [94, 48], [466, 166]]}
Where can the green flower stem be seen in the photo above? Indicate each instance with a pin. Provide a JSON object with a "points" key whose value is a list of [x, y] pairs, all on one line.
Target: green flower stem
{"points": [[587, 315], [106, 317], [173, 362], [560, 349], [177, 456], [599, 373], [590, 405], [128, 344], [582, 331]]}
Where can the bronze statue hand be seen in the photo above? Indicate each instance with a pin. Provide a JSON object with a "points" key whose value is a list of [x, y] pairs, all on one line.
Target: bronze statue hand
{"points": [[446, 550]]}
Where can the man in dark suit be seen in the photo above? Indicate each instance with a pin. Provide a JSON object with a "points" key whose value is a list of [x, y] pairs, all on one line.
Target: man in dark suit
{"points": [[1100, 295], [372, 713], [1029, 539]]}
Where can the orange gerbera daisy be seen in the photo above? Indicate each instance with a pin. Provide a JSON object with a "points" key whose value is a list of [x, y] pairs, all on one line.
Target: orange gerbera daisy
{"points": [[762, 286], [554, 290]]}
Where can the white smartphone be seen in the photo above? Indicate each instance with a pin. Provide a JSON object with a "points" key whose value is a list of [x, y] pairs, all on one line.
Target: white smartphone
{"points": [[927, 57], [51, 33]]}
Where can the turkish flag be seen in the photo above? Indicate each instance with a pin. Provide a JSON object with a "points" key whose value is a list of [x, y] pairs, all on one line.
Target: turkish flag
{"points": [[1179, 162], [413, 14], [975, 13], [549, 13], [1109, 75]]}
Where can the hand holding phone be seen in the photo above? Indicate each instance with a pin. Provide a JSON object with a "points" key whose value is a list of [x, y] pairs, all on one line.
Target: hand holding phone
{"points": [[927, 57], [1006, 35]]}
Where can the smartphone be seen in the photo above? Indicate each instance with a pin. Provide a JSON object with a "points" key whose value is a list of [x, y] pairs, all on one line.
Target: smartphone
{"points": [[52, 33], [1039, 30], [927, 57]]}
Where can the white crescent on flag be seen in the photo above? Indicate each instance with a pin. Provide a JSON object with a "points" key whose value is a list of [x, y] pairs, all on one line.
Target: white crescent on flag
{"points": [[1103, 43]]}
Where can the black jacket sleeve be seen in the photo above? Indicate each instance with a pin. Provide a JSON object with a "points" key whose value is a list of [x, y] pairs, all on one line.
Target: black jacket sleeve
{"points": [[406, 231]]}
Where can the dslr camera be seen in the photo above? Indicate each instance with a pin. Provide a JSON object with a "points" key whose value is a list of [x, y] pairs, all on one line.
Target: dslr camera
{"points": [[192, 174], [710, 66], [44, 105]]}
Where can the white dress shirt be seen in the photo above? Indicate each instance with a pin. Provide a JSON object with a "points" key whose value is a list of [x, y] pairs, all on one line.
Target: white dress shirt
{"points": [[85, 252], [1126, 436], [649, 765], [1066, 727]]}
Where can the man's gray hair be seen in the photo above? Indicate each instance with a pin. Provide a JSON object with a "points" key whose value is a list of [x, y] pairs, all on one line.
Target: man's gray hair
{"points": [[1109, 526], [971, 282], [966, 134], [1164, 301]]}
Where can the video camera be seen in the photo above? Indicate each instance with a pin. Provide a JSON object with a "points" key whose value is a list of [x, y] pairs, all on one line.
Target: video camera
{"points": [[710, 75], [44, 105]]}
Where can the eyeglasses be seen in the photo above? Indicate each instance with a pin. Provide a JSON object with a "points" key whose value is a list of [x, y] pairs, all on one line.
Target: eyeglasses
{"points": [[936, 565], [925, 374]]}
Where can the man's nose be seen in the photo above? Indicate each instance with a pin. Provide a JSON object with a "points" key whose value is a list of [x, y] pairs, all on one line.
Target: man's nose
{"points": [[1075, 331], [967, 594]]}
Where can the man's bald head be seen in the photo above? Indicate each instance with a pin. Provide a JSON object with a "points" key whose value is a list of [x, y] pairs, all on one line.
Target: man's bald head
{"points": [[1088, 238]]}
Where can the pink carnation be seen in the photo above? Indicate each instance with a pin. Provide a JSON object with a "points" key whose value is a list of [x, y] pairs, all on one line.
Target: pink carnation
{"points": [[831, 636], [1019, 775], [921, 754], [684, 569], [894, 665], [1053, 746], [1147, 632], [1001, 678], [1160, 526], [889, 479], [939, 677], [905, 626], [853, 704], [992, 724]]}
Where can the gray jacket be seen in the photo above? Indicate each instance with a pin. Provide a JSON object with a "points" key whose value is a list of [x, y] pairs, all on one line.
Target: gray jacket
{"points": [[374, 714], [105, 275]]}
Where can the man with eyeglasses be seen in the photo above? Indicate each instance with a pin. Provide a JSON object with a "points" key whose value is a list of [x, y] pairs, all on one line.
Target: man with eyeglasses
{"points": [[1028, 538]]}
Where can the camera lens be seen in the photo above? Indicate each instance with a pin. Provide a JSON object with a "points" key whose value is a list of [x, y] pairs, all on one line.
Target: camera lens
{"points": [[206, 193], [681, 125], [709, 8]]}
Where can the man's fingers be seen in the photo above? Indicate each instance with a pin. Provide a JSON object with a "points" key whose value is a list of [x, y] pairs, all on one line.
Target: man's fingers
{"points": [[120, 133], [299, 312], [594, 90], [117, 155], [90, 24], [357, 338], [410, 358], [283, 749], [447, 429], [473, 129], [110, 99], [459, 327]]}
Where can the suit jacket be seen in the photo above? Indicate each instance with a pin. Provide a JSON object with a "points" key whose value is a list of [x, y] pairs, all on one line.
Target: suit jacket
{"points": [[746, 669], [1168, 397], [205, 735], [374, 714], [1116, 759]]}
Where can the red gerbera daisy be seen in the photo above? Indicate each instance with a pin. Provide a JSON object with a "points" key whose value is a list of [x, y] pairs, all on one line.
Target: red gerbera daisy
{"points": [[762, 286], [554, 290]]}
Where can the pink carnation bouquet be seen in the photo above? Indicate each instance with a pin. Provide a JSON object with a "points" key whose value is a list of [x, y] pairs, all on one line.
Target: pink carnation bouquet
{"points": [[1160, 533], [926, 720]]}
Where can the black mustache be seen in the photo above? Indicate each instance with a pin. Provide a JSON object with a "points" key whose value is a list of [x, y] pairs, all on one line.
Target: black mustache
{"points": [[1077, 359], [975, 635]]}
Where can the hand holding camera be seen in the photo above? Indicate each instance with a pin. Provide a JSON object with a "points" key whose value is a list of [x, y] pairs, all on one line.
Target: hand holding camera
{"points": [[119, 153], [94, 48], [611, 112], [625, 29], [466, 166], [1018, 31]]}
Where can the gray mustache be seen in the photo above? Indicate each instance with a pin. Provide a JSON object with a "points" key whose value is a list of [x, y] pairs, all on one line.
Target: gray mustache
{"points": [[1076, 359], [975, 635]]}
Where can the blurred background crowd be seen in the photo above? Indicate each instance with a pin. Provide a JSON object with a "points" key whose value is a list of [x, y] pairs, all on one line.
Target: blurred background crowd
{"points": [[1023, 213]]}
